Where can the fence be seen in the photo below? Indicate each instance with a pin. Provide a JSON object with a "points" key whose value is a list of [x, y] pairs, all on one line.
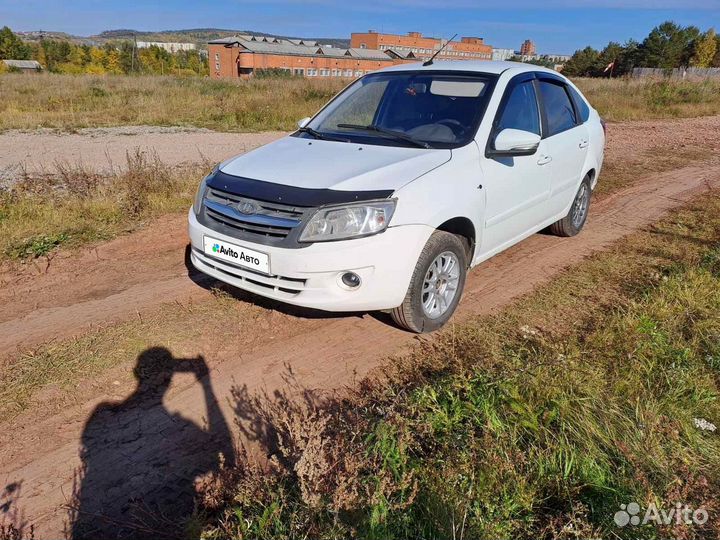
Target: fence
{"points": [[678, 73]]}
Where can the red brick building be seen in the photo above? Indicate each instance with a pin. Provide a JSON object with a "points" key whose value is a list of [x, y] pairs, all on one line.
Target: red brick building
{"points": [[528, 48], [241, 56], [468, 48]]}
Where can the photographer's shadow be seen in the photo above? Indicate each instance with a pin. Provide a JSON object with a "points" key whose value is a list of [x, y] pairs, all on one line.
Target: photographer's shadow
{"points": [[140, 461]]}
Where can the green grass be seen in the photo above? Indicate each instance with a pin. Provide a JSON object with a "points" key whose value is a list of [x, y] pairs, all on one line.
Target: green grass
{"points": [[537, 422], [36, 246]]}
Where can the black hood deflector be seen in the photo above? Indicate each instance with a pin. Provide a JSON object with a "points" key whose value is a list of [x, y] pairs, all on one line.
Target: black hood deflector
{"points": [[271, 192]]}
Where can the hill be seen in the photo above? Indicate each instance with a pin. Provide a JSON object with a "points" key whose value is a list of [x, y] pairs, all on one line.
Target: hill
{"points": [[201, 36]]}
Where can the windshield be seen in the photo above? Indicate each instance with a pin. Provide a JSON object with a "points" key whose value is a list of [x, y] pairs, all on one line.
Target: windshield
{"points": [[419, 108]]}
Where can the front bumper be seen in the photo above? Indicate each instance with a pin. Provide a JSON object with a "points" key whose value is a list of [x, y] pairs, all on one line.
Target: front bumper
{"points": [[310, 276]]}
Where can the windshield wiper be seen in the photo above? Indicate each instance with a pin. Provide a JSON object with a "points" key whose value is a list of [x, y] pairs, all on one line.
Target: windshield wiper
{"points": [[318, 135], [396, 134]]}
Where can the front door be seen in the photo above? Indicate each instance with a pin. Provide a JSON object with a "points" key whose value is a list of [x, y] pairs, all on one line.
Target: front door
{"points": [[517, 187]]}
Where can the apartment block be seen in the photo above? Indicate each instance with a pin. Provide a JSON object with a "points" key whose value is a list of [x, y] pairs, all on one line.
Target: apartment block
{"points": [[422, 47], [170, 47], [502, 54], [527, 48]]}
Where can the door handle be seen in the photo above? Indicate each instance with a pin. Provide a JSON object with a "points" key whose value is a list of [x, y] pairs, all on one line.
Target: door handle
{"points": [[584, 143], [544, 160]]}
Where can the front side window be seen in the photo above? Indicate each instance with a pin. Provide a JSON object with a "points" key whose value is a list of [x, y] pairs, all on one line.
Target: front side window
{"points": [[558, 107], [440, 109], [521, 110]]}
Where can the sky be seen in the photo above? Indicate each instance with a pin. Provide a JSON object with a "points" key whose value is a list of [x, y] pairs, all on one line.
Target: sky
{"points": [[556, 26]]}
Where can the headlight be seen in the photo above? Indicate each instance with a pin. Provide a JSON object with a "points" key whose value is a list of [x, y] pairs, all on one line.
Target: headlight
{"points": [[352, 221], [200, 193]]}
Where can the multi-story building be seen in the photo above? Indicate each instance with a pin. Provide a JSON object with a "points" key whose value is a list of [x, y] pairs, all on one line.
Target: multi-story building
{"points": [[528, 48], [242, 56], [170, 47], [468, 48], [502, 54]]}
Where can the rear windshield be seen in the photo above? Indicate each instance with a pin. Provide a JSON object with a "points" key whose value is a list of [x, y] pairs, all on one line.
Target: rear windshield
{"points": [[442, 109]]}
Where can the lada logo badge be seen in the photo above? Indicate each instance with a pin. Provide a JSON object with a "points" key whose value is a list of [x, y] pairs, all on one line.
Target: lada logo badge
{"points": [[247, 207]]}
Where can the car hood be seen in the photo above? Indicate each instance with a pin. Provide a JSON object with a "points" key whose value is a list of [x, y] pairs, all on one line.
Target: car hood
{"points": [[318, 164]]}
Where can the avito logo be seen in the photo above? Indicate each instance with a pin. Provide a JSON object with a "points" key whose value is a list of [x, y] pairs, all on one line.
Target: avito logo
{"points": [[681, 514], [222, 250], [230, 252]]}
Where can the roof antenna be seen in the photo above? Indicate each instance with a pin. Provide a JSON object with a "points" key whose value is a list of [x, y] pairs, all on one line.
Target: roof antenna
{"points": [[430, 62]]}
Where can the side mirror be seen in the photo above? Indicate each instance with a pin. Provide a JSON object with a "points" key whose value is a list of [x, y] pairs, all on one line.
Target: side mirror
{"points": [[515, 142], [304, 122]]}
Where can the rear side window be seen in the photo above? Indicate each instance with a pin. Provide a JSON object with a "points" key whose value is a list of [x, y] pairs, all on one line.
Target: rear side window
{"points": [[521, 110], [582, 106], [558, 107]]}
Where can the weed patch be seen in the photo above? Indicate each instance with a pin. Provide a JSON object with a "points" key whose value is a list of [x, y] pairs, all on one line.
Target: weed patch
{"points": [[76, 205], [37, 247]]}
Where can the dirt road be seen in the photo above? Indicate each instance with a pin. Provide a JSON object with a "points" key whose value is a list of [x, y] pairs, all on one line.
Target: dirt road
{"points": [[145, 442], [103, 148]]}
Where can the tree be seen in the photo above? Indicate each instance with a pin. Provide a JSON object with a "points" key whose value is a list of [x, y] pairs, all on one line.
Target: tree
{"points": [[583, 63], [668, 46], [716, 58], [12, 47], [611, 54], [629, 58], [704, 49]]}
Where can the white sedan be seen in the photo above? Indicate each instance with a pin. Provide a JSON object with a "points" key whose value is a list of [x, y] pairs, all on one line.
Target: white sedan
{"points": [[404, 181]]}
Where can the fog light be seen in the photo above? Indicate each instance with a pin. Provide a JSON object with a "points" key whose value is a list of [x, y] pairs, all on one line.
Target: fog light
{"points": [[351, 280]]}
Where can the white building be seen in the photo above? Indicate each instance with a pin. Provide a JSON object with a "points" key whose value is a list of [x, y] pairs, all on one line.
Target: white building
{"points": [[502, 54], [170, 47]]}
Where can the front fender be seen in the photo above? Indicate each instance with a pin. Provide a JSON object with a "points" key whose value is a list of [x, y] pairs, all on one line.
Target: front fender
{"points": [[452, 190]]}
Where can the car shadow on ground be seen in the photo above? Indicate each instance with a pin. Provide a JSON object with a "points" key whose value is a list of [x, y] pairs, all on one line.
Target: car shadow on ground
{"points": [[209, 283], [140, 461]]}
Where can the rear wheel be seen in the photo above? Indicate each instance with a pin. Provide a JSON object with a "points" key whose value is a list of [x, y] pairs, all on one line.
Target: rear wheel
{"points": [[436, 285], [573, 223]]}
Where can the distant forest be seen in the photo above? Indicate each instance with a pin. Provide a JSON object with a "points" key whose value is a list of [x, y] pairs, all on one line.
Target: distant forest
{"points": [[668, 46], [115, 57]]}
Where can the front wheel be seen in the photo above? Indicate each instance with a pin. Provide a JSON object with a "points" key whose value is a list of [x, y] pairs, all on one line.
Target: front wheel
{"points": [[436, 285], [573, 223]]}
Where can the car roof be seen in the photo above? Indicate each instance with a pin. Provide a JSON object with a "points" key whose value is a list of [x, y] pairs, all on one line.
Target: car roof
{"points": [[479, 66]]}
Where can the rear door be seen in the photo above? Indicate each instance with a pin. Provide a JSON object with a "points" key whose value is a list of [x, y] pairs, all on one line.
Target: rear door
{"points": [[566, 141], [517, 188]]}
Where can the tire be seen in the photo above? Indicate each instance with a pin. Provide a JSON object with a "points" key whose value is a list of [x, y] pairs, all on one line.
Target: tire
{"points": [[573, 223], [412, 314]]}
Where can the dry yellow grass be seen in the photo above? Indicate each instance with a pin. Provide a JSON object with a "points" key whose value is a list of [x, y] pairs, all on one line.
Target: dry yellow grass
{"points": [[640, 99], [71, 102]]}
